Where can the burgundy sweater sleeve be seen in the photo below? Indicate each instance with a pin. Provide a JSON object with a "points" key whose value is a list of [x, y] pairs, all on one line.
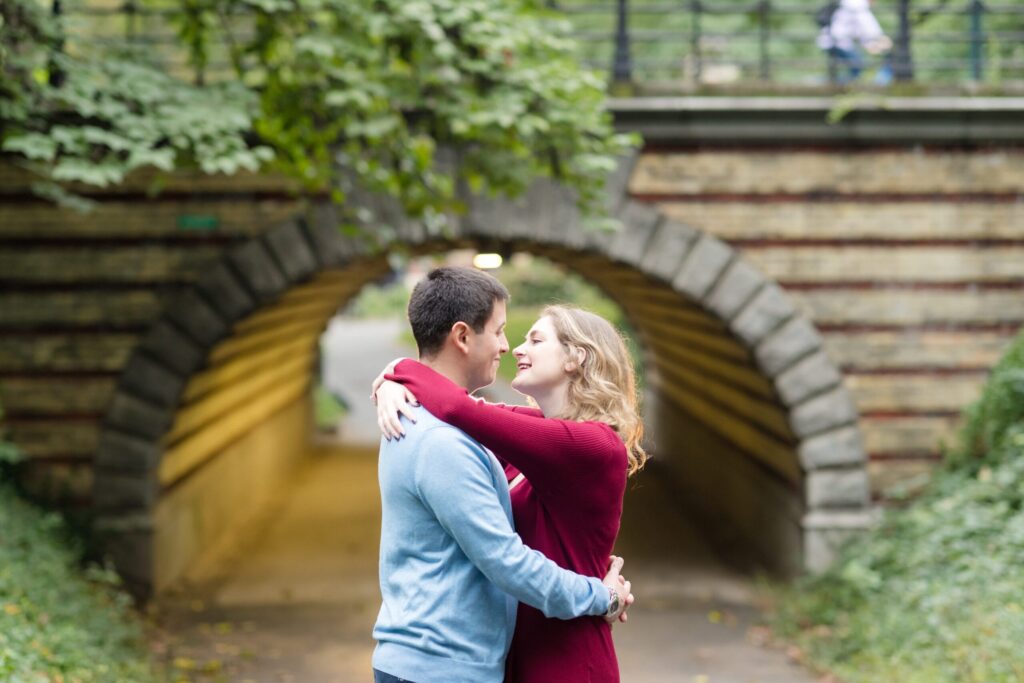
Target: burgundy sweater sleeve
{"points": [[546, 450]]}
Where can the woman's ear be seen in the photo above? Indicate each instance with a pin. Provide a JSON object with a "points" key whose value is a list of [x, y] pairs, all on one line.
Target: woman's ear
{"points": [[577, 357]]}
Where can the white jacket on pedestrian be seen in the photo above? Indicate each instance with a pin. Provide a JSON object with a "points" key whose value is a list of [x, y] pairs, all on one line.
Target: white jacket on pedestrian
{"points": [[853, 22]]}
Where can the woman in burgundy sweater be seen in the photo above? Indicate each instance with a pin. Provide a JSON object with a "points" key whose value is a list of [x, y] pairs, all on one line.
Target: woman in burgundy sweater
{"points": [[566, 461]]}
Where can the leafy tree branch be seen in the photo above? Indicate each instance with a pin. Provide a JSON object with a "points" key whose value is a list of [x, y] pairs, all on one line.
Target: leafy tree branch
{"points": [[323, 90]]}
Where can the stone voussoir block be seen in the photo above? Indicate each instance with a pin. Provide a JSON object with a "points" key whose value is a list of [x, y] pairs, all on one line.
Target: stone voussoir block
{"points": [[223, 290], [572, 231], [330, 246], [784, 346], [545, 212], [702, 267], [258, 271], [561, 216], [287, 244], [127, 522], [826, 530], [121, 490], [823, 412], [809, 376], [736, 286], [129, 544], [145, 377], [667, 249], [836, 448], [132, 414], [120, 452], [513, 218], [639, 223], [592, 236], [616, 185], [769, 308], [379, 213], [837, 488], [198, 318], [173, 349]]}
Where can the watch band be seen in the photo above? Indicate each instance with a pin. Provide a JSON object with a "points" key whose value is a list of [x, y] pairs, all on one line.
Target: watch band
{"points": [[614, 603]]}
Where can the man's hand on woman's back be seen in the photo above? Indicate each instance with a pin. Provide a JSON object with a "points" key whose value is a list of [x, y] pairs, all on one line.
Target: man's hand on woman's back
{"points": [[622, 588]]}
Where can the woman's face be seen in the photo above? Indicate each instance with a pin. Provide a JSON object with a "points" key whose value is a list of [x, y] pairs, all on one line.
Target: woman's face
{"points": [[541, 361]]}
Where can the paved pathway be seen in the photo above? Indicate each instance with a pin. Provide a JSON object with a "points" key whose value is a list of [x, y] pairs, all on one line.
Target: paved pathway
{"points": [[353, 353]]}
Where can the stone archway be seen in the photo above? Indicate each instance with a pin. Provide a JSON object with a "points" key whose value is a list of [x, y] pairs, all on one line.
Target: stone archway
{"points": [[740, 389]]}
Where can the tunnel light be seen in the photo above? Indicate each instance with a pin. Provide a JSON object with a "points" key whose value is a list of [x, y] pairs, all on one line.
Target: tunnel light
{"points": [[487, 261]]}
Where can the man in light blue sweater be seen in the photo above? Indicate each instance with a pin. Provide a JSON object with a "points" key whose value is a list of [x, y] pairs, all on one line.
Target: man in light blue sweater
{"points": [[451, 567]]}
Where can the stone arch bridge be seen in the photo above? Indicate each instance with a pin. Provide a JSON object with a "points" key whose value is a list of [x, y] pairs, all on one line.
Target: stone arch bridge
{"points": [[802, 353]]}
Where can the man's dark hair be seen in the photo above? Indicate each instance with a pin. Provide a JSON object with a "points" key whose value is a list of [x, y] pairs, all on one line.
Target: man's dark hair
{"points": [[449, 295]]}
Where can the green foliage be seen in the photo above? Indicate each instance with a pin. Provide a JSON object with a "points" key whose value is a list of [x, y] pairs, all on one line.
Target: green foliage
{"points": [[407, 98], [328, 409], [935, 594], [990, 421], [94, 118], [56, 622], [10, 455], [541, 282], [380, 301]]}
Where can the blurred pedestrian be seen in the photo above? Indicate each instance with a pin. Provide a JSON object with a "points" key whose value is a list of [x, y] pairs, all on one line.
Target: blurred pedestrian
{"points": [[847, 26]]}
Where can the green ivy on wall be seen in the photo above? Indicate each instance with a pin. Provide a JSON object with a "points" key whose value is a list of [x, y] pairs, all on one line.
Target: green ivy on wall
{"points": [[412, 98]]}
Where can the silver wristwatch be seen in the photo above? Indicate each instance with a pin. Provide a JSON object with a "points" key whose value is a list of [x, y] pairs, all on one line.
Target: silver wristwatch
{"points": [[614, 603]]}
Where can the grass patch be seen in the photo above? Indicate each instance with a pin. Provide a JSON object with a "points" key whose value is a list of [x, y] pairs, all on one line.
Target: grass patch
{"points": [[59, 622], [936, 594]]}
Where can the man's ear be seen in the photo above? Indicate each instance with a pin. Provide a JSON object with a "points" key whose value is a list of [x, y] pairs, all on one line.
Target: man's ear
{"points": [[460, 336]]}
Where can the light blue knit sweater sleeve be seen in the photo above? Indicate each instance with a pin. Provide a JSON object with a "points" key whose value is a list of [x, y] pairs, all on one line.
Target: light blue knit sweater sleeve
{"points": [[454, 478]]}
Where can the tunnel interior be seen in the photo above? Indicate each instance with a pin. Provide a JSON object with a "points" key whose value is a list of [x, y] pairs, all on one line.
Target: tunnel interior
{"points": [[716, 429], [748, 420]]}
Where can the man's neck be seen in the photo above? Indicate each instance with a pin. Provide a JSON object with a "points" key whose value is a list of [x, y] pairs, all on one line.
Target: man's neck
{"points": [[449, 367]]}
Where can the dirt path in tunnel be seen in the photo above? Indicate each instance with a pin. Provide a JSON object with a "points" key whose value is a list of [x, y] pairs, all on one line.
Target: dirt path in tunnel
{"points": [[296, 600]]}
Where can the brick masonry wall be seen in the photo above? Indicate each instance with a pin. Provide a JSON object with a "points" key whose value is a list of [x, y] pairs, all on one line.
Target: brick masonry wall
{"points": [[910, 261], [79, 290]]}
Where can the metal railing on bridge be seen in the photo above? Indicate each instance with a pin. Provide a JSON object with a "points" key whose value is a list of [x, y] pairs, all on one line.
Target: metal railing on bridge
{"points": [[673, 44], [695, 43]]}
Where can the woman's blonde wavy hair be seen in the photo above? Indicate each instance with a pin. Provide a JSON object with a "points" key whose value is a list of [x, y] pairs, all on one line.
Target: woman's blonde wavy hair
{"points": [[603, 387]]}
